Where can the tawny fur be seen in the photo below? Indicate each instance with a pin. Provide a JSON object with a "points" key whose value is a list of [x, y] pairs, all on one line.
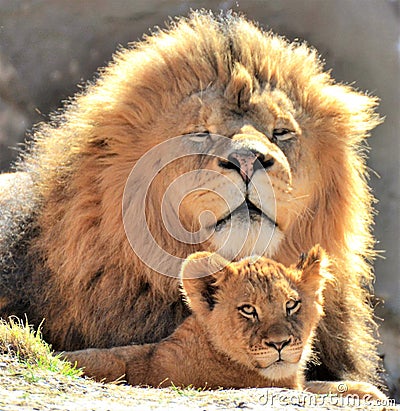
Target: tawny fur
{"points": [[65, 255], [218, 346]]}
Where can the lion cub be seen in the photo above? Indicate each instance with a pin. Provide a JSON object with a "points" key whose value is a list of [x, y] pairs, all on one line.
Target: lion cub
{"points": [[252, 326]]}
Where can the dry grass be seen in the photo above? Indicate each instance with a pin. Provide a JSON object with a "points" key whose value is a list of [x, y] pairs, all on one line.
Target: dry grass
{"points": [[19, 340]]}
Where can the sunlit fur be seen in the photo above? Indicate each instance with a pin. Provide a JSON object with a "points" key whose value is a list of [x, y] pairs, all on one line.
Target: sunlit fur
{"points": [[218, 346], [203, 73]]}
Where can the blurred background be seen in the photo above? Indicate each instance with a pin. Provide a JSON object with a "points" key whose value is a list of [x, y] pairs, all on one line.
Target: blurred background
{"points": [[48, 47]]}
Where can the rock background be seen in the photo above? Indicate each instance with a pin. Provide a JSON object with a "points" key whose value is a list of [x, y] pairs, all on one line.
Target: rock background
{"points": [[47, 47]]}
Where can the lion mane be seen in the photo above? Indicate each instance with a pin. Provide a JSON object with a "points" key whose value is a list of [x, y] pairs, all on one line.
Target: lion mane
{"points": [[65, 256]]}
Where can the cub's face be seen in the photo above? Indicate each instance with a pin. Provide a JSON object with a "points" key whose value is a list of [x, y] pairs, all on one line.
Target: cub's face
{"points": [[258, 312]]}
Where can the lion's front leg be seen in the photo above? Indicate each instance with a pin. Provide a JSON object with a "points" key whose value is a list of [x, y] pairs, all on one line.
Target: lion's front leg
{"points": [[363, 390], [100, 364], [130, 363]]}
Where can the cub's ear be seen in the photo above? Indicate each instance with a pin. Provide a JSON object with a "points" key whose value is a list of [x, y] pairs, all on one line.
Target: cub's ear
{"points": [[315, 270], [199, 275]]}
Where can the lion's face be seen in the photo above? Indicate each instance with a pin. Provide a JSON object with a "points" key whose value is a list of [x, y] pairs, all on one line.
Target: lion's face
{"points": [[266, 152], [246, 181], [258, 312]]}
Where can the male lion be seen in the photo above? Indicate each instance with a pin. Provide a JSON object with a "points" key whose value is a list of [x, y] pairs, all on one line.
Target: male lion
{"points": [[252, 326], [294, 176]]}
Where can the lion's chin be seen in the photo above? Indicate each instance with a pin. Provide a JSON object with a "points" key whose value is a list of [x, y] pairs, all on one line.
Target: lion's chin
{"points": [[240, 237], [279, 370]]}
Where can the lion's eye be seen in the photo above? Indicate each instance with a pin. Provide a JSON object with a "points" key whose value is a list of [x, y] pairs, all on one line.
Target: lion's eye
{"points": [[292, 306], [248, 311], [282, 134], [199, 137]]}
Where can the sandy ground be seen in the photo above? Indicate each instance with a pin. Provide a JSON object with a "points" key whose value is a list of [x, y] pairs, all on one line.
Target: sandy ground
{"points": [[22, 388]]}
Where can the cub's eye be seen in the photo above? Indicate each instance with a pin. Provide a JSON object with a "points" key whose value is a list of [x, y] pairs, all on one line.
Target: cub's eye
{"points": [[248, 311], [282, 134], [199, 137], [292, 306]]}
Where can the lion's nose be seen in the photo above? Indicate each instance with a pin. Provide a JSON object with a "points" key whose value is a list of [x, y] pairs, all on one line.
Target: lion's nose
{"points": [[247, 162], [278, 345]]}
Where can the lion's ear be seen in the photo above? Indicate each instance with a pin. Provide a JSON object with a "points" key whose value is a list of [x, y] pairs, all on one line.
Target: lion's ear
{"points": [[199, 274], [315, 270]]}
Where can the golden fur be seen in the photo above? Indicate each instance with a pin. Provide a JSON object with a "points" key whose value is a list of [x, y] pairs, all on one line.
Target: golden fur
{"points": [[77, 269], [252, 326]]}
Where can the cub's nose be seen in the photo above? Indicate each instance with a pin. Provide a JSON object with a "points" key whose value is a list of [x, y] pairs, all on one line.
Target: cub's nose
{"points": [[278, 345], [247, 162]]}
